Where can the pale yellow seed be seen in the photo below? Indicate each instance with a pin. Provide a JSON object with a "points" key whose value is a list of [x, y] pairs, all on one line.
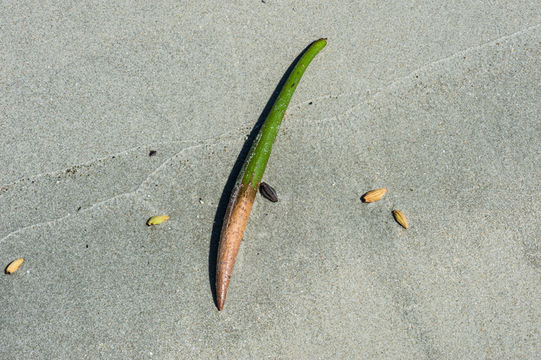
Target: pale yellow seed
{"points": [[400, 218], [374, 195], [158, 219], [14, 265]]}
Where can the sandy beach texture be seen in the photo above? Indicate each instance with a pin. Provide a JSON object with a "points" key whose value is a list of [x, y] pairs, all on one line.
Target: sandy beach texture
{"points": [[439, 102]]}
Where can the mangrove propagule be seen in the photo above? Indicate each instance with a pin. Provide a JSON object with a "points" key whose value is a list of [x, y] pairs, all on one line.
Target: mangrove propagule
{"points": [[245, 190]]}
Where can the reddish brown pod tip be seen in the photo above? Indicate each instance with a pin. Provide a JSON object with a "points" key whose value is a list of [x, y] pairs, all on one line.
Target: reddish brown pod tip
{"points": [[235, 222]]}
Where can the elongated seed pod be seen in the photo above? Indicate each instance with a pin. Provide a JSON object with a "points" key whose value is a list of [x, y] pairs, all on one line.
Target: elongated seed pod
{"points": [[242, 198]]}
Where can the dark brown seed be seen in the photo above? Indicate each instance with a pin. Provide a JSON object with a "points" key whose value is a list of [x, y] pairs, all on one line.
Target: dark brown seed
{"points": [[268, 192], [152, 153]]}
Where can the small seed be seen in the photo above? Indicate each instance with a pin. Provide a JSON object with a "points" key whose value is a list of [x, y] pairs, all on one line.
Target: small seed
{"points": [[373, 195], [158, 219], [14, 265], [152, 153], [400, 218], [268, 192]]}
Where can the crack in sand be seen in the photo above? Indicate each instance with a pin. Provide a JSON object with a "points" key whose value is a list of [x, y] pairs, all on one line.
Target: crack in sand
{"points": [[376, 92], [457, 55], [393, 83], [7, 186], [108, 200], [88, 163], [216, 139]]}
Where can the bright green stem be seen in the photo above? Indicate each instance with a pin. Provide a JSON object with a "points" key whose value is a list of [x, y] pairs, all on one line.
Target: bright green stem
{"points": [[258, 157]]}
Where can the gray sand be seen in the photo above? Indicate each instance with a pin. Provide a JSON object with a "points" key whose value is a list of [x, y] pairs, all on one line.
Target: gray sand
{"points": [[439, 102]]}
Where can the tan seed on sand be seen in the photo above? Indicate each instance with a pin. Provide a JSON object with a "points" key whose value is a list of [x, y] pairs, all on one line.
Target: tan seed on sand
{"points": [[158, 219], [374, 195], [401, 218], [14, 265]]}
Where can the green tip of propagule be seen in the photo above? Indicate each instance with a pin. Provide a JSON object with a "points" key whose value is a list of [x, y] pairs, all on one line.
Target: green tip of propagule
{"points": [[261, 149]]}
